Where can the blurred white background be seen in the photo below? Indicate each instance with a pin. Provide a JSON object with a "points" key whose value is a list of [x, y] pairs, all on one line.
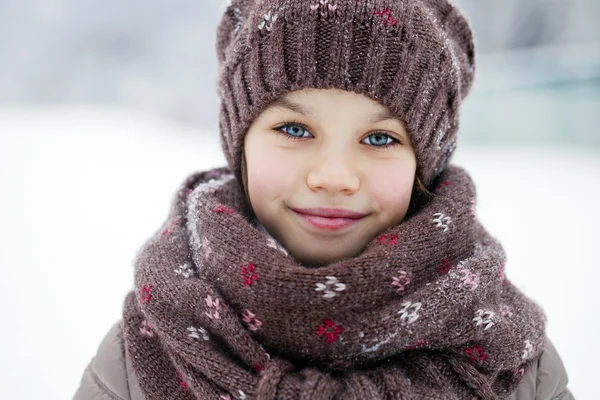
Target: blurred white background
{"points": [[105, 107]]}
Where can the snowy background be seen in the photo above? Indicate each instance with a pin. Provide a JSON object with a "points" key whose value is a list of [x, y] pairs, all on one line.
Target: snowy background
{"points": [[106, 107]]}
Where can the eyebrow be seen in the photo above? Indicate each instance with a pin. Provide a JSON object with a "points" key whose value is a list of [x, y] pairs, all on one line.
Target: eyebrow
{"points": [[300, 109]]}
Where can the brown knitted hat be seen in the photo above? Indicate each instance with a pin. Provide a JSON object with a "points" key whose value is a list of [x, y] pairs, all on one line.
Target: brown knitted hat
{"points": [[416, 57]]}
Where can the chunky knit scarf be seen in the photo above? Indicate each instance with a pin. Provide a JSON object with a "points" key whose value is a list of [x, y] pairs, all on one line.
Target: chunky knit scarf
{"points": [[221, 311]]}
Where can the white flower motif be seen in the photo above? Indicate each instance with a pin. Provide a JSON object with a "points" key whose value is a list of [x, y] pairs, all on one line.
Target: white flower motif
{"points": [[196, 333], [239, 396], [267, 21], [238, 18], [271, 242], [528, 350], [330, 287], [484, 317], [409, 312], [442, 221], [185, 270]]}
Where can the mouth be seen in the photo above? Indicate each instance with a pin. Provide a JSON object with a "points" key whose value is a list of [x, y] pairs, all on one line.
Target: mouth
{"points": [[330, 219]]}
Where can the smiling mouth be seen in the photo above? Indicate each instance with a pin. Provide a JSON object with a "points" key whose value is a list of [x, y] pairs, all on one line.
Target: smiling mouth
{"points": [[329, 219]]}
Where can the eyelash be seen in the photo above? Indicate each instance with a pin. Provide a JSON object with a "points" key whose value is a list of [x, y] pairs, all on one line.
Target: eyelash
{"points": [[395, 142]]}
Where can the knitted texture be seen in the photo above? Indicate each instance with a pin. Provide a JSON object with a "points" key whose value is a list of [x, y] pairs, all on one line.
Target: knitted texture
{"points": [[415, 57], [221, 311]]}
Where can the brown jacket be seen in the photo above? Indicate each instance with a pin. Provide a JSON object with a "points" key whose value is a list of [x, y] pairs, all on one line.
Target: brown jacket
{"points": [[110, 376]]}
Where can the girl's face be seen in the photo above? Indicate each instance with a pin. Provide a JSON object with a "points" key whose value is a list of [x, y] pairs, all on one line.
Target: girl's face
{"points": [[326, 171]]}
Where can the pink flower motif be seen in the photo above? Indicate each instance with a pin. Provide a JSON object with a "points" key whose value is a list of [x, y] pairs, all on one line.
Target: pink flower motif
{"points": [[146, 293], [215, 305], [402, 280], [330, 330], [249, 274], [210, 302], [324, 7], [475, 353], [251, 320], [470, 280], [518, 371], [206, 247], [445, 267], [146, 329]]}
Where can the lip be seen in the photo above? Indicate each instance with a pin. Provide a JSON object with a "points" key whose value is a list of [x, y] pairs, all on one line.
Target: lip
{"points": [[329, 218]]}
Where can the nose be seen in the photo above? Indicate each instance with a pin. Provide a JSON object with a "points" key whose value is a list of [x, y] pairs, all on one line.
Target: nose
{"points": [[334, 175]]}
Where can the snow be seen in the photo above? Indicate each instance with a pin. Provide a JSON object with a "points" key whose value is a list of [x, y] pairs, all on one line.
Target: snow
{"points": [[83, 187]]}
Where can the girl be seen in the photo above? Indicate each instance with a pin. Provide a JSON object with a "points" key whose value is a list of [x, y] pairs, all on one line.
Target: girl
{"points": [[338, 256]]}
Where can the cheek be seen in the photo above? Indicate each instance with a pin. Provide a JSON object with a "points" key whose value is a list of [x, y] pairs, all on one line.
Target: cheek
{"points": [[270, 175], [392, 194]]}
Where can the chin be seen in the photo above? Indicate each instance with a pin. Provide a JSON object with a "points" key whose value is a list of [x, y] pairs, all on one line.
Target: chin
{"points": [[321, 259]]}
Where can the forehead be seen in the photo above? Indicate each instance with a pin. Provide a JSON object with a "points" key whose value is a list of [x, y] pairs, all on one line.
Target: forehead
{"points": [[316, 103]]}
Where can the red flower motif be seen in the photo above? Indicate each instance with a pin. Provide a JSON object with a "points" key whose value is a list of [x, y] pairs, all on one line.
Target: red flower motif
{"points": [[445, 267], [385, 16], [388, 239], [182, 383], [221, 209], [330, 330], [444, 184], [145, 293], [249, 274], [475, 353]]}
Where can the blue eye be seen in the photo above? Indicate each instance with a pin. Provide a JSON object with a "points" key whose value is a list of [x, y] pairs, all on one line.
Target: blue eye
{"points": [[379, 140], [293, 130]]}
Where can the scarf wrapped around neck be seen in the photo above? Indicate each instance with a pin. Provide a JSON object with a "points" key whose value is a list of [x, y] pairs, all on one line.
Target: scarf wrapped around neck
{"points": [[221, 311]]}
